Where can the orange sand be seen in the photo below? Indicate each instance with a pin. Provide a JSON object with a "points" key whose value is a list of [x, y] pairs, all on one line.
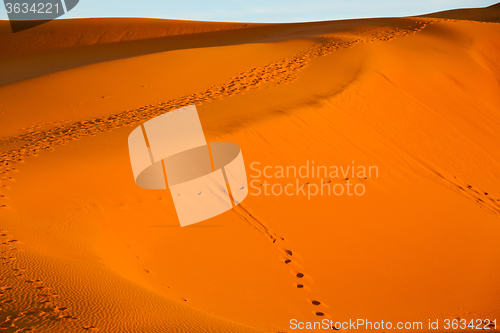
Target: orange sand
{"points": [[85, 249]]}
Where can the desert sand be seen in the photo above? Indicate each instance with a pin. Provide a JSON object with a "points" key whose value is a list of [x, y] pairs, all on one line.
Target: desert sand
{"points": [[85, 249]]}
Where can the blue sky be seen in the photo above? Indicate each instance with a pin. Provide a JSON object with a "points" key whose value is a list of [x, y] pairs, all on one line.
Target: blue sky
{"points": [[262, 10]]}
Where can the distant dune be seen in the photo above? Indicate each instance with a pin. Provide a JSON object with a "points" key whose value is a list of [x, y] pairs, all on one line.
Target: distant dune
{"points": [[84, 249], [488, 14]]}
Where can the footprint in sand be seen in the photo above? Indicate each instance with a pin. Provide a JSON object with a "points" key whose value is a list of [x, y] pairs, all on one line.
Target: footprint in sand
{"points": [[10, 179], [321, 314], [90, 328], [301, 277], [318, 304], [65, 316], [301, 286]]}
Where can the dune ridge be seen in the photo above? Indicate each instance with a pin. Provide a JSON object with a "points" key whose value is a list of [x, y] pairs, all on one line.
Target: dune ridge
{"points": [[29, 55], [61, 34]]}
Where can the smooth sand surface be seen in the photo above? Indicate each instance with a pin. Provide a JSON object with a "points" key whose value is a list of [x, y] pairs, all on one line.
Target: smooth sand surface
{"points": [[84, 249]]}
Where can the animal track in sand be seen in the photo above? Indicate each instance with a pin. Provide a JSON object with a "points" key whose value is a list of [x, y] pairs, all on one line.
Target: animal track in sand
{"points": [[279, 242], [40, 299], [484, 199], [318, 304]]}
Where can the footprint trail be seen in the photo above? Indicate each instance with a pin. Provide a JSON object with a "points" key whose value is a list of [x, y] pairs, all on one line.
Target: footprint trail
{"points": [[288, 257]]}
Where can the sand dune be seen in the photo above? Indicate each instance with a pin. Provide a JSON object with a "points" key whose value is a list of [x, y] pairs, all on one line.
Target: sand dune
{"points": [[84, 249], [487, 14]]}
